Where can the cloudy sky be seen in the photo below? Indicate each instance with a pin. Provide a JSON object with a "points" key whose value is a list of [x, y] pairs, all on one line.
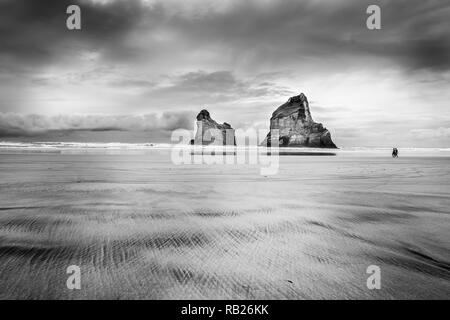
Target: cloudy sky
{"points": [[139, 69]]}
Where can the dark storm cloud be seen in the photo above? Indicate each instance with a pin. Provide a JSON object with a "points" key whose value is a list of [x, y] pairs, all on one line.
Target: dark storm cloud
{"points": [[423, 29], [35, 33], [433, 54], [13, 125], [414, 33]]}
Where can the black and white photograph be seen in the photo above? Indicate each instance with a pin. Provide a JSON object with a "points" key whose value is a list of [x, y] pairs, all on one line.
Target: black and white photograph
{"points": [[224, 150]]}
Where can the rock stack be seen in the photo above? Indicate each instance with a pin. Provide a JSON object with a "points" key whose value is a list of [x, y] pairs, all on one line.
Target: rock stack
{"points": [[296, 126], [209, 132]]}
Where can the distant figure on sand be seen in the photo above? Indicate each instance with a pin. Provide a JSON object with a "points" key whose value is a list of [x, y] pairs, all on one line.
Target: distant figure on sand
{"points": [[395, 153]]}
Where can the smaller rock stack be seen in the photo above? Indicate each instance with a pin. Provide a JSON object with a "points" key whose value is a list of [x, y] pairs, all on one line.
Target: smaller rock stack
{"points": [[209, 132]]}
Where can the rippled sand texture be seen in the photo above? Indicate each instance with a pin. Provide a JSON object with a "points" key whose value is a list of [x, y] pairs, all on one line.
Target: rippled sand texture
{"points": [[140, 227]]}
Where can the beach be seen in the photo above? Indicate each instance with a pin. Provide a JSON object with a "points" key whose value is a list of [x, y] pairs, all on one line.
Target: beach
{"points": [[141, 227]]}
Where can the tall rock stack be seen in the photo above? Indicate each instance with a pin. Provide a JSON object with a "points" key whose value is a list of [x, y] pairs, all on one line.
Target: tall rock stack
{"points": [[296, 126], [209, 132]]}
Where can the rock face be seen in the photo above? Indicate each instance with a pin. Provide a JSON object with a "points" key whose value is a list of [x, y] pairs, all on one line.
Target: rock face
{"points": [[296, 126], [209, 132]]}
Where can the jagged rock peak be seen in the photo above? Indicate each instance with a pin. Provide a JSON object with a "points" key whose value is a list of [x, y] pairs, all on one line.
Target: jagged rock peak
{"points": [[203, 115], [299, 99], [298, 105]]}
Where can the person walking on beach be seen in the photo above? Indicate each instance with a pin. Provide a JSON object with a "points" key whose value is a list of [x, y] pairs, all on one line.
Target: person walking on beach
{"points": [[395, 153]]}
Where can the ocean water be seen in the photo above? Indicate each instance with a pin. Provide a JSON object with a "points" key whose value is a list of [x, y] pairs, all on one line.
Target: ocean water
{"points": [[141, 227]]}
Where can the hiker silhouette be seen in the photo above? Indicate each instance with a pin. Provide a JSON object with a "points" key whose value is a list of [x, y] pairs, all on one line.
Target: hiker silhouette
{"points": [[395, 153]]}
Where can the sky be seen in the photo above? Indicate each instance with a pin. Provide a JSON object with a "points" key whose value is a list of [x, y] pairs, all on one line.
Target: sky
{"points": [[137, 70]]}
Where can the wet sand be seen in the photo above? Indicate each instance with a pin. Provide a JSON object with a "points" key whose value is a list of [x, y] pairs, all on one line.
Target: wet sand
{"points": [[140, 227]]}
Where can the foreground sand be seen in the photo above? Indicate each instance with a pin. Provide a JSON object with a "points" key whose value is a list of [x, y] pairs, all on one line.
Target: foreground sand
{"points": [[140, 227]]}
